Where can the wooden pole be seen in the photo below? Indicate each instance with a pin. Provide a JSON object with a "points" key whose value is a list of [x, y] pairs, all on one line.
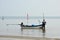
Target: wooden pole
{"points": [[27, 18]]}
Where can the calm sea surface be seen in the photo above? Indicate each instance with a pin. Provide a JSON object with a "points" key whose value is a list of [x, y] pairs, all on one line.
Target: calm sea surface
{"points": [[52, 28]]}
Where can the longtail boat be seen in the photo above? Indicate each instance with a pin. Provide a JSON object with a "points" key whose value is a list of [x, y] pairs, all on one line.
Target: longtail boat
{"points": [[34, 26]]}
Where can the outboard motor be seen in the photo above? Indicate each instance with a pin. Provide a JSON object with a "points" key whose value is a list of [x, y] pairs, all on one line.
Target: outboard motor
{"points": [[21, 23]]}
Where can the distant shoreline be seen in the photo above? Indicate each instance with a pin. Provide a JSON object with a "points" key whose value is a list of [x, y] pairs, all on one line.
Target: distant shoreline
{"points": [[32, 17]]}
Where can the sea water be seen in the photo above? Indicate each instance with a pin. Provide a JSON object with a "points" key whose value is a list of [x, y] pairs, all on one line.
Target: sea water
{"points": [[52, 28]]}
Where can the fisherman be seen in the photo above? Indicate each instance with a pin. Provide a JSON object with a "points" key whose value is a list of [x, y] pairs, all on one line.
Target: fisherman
{"points": [[43, 23]]}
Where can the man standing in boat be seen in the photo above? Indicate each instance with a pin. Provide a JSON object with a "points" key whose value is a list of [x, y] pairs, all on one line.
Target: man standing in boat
{"points": [[43, 23]]}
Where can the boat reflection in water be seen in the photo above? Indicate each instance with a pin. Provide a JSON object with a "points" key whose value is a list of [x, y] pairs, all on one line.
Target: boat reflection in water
{"points": [[43, 31], [31, 31]]}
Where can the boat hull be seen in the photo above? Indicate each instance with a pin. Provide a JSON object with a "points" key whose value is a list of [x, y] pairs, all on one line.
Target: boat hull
{"points": [[39, 27]]}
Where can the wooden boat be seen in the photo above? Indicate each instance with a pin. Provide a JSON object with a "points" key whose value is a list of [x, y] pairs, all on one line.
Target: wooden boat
{"points": [[30, 26], [34, 26]]}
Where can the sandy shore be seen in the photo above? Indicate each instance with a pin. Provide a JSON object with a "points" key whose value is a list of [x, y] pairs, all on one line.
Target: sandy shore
{"points": [[10, 37]]}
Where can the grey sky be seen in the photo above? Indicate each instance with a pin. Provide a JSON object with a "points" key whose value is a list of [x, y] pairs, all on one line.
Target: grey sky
{"points": [[32, 7]]}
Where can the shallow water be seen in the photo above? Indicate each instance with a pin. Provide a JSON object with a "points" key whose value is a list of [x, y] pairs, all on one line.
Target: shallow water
{"points": [[51, 31]]}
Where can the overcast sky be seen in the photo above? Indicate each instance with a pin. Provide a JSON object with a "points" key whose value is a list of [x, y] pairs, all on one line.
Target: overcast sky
{"points": [[32, 7]]}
